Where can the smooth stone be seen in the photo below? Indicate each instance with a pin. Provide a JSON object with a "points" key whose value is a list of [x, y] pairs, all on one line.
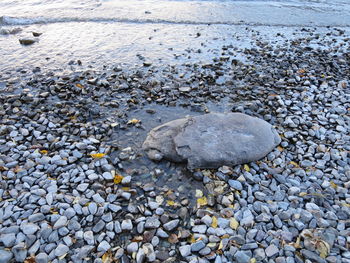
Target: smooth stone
{"points": [[5, 256], [61, 250], [185, 250], [241, 257], [271, 250], [27, 41], [103, 246], [8, 240], [61, 222], [152, 222], [195, 247], [212, 140], [41, 258], [171, 224]]}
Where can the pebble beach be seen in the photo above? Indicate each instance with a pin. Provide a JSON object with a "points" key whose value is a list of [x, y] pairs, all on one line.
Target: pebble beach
{"points": [[76, 186]]}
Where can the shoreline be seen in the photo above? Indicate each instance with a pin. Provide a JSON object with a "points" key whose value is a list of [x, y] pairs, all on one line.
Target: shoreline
{"points": [[61, 202]]}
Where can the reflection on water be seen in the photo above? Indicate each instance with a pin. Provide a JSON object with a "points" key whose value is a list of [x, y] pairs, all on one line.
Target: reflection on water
{"points": [[115, 31]]}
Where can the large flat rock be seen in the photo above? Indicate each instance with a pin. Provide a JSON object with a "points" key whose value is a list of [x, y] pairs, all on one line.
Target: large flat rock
{"points": [[212, 140]]}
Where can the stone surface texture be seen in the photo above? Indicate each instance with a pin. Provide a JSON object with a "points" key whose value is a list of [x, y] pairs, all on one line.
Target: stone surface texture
{"points": [[212, 140]]}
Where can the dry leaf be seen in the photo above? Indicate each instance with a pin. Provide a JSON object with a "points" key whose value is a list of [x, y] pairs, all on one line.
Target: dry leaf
{"points": [[191, 239], [107, 257], [79, 85], [280, 148], [173, 239], [297, 243], [44, 152], [97, 155], [202, 201], [30, 259], [221, 245], [233, 223], [294, 164], [323, 248], [246, 168], [302, 194], [171, 202], [118, 179], [134, 121], [252, 260], [214, 223], [2, 168], [333, 185]]}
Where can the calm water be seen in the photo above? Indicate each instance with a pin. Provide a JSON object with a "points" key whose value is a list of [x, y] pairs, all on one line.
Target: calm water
{"points": [[115, 31]]}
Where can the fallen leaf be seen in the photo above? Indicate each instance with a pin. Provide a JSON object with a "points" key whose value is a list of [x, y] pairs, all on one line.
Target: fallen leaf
{"points": [[323, 248], [134, 121], [191, 239], [302, 194], [214, 223], [118, 179], [221, 245], [44, 152], [97, 155], [171, 202], [252, 260], [107, 257], [246, 167], [294, 164], [202, 201], [333, 185], [2, 168], [79, 85], [233, 223], [173, 239], [30, 259], [280, 148], [137, 239]]}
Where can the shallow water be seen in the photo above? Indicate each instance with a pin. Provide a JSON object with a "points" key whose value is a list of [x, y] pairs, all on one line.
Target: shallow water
{"points": [[165, 32]]}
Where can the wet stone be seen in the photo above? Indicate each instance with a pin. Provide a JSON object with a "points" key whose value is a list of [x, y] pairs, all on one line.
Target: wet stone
{"points": [[191, 139]]}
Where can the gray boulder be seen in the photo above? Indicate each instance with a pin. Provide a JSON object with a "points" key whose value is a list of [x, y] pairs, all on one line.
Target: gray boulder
{"points": [[212, 140]]}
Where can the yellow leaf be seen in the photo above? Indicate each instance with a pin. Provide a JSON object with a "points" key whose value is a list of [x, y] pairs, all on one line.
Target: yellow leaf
{"points": [[323, 248], [302, 194], [333, 185], [280, 148], [44, 152], [246, 167], [97, 155], [202, 201], [133, 121], [233, 223], [191, 239], [125, 188], [294, 164], [297, 243], [170, 202], [107, 257], [79, 85], [214, 223], [221, 245], [252, 260], [118, 178]]}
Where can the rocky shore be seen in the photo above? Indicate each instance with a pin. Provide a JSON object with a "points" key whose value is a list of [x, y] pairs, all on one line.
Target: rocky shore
{"points": [[75, 185]]}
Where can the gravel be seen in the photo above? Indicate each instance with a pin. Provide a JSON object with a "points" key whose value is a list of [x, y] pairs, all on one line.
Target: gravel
{"points": [[74, 182]]}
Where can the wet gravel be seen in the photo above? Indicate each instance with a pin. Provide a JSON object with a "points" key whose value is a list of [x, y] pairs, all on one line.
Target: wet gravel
{"points": [[76, 187]]}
